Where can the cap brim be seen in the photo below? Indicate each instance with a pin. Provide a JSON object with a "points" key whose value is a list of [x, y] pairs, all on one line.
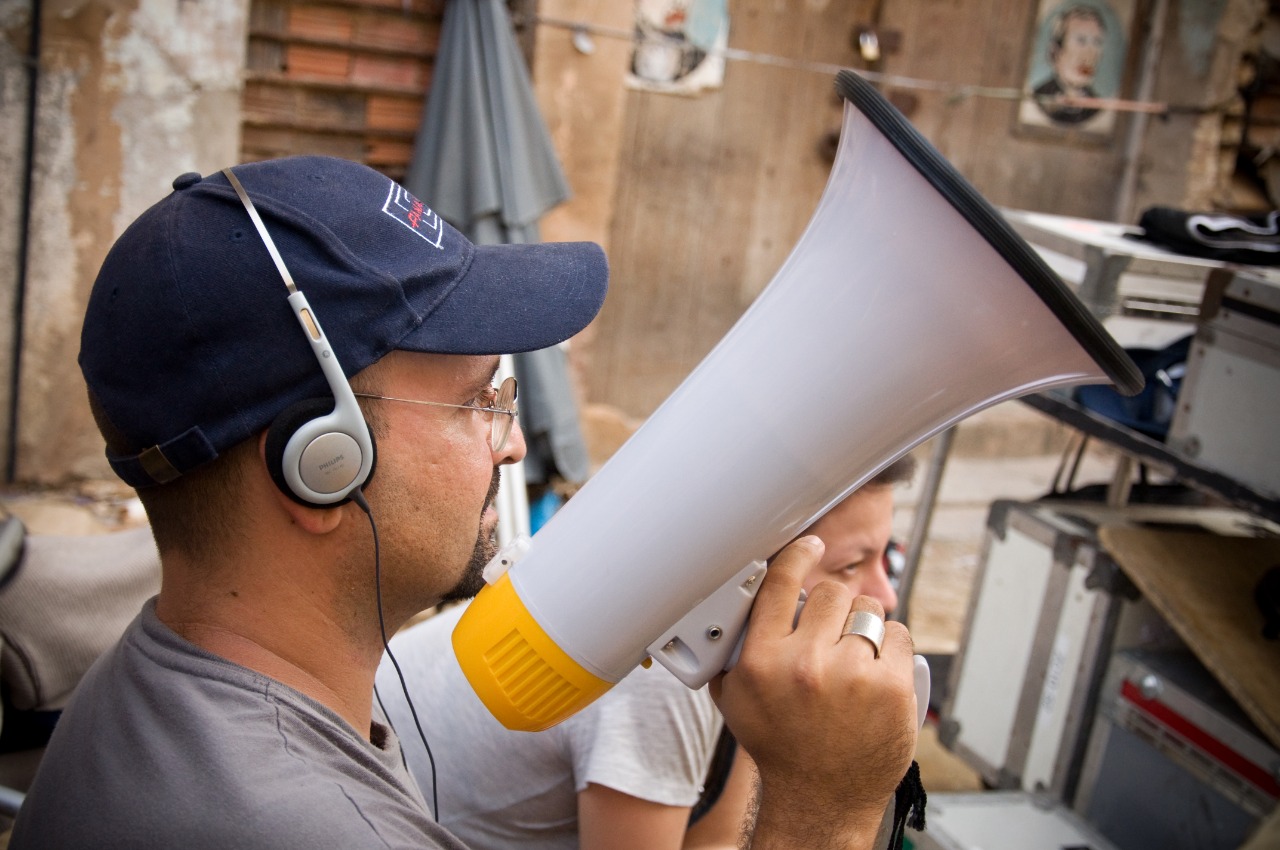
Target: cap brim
{"points": [[516, 297]]}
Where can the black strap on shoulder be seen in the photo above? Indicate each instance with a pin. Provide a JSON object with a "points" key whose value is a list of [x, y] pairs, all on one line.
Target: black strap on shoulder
{"points": [[717, 775]]}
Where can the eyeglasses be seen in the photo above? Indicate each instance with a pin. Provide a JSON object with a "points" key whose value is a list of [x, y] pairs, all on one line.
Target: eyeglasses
{"points": [[499, 403]]}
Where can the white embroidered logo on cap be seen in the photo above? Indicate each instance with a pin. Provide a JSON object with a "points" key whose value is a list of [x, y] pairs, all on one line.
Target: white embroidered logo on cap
{"points": [[414, 214]]}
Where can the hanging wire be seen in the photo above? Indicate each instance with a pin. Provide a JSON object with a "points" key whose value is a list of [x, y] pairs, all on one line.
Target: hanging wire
{"points": [[357, 496], [955, 91]]}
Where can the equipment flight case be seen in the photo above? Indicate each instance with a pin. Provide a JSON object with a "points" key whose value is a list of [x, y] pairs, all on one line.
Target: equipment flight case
{"points": [[1172, 761], [1229, 402], [1048, 610]]}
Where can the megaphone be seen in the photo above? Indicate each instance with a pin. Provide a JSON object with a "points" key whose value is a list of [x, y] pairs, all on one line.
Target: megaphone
{"points": [[907, 305]]}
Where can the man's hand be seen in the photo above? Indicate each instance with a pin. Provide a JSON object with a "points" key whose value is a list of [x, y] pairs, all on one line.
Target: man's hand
{"points": [[831, 727]]}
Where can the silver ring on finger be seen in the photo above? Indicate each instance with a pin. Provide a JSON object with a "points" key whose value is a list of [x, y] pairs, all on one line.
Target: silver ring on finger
{"points": [[866, 625]]}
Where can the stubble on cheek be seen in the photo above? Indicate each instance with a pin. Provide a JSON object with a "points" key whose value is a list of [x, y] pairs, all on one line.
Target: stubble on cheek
{"points": [[486, 547]]}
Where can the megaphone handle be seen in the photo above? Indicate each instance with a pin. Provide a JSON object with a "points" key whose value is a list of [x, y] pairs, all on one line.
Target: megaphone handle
{"points": [[924, 688], [742, 635], [922, 679], [697, 648]]}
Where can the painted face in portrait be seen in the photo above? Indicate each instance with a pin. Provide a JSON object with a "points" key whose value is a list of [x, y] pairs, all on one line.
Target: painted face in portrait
{"points": [[1076, 57]]}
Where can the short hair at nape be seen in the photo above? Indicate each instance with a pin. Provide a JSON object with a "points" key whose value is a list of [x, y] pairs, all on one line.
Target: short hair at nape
{"points": [[900, 471]]}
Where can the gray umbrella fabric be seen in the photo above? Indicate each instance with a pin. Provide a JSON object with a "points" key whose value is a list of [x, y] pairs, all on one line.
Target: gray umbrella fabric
{"points": [[483, 159]]}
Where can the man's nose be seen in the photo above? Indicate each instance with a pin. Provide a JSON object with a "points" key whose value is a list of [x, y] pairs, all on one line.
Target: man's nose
{"points": [[879, 588], [515, 448]]}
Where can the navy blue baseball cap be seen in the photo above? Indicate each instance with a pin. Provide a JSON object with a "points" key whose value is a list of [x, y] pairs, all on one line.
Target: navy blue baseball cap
{"points": [[189, 346]]}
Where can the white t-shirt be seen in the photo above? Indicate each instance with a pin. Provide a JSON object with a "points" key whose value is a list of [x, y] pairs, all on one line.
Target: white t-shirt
{"points": [[649, 736]]}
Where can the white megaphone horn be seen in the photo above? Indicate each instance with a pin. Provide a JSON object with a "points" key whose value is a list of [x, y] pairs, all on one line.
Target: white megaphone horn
{"points": [[907, 305]]}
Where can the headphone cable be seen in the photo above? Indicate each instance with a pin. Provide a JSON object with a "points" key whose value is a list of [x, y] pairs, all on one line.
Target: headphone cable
{"points": [[357, 496]]}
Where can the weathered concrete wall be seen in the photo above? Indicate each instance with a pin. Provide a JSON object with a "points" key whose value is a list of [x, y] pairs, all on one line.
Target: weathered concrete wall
{"points": [[131, 94], [703, 197], [14, 89], [1180, 163], [134, 92], [581, 96], [582, 99]]}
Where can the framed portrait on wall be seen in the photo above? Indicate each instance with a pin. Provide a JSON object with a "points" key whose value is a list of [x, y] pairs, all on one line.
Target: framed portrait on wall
{"points": [[1078, 53], [679, 46]]}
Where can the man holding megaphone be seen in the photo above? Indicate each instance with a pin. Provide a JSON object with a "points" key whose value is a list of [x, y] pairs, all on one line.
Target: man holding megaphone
{"points": [[857, 535], [642, 767], [237, 709]]}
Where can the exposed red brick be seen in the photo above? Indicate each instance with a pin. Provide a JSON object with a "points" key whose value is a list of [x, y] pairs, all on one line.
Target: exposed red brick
{"points": [[323, 23], [317, 63], [393, 113]]}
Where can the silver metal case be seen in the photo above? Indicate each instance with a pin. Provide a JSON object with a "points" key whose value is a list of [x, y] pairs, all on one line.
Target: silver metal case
{"points": [[1048, 609], [1172, 760], [1003, 820], [1229, 404]]}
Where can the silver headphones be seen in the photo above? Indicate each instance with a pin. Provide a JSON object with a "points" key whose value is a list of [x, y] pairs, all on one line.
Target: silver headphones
{"points": [[317, 456]]}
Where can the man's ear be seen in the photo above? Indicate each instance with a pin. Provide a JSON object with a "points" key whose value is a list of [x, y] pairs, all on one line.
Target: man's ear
{"points": [[312, 520]]}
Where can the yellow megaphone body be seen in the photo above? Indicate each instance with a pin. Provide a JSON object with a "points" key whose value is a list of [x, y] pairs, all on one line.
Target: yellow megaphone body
{"points": [[907, 305]]}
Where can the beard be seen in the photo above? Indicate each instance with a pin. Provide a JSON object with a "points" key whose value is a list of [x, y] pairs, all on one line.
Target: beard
{"points": [[472, 580]]}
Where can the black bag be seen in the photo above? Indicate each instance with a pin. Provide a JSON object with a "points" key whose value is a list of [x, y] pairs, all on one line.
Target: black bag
{"points": [[1150, 411], [1251, 239]]}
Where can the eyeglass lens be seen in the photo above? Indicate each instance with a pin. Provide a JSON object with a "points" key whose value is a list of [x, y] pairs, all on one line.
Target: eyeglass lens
{"points": [[501, 426]]}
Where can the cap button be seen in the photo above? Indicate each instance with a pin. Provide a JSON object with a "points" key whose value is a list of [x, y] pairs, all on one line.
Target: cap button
{"points": [[186, 181]]}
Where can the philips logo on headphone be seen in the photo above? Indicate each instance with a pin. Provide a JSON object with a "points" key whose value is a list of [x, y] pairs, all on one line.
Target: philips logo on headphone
{"points": [[415, 215], [330, 464]]}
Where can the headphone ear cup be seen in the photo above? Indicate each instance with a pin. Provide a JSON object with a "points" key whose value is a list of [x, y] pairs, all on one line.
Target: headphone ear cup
{"points": [[282, 429]]}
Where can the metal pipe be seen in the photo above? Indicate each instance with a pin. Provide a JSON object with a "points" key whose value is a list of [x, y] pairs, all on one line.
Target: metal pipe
{"points": [[1138, 122], [923, 518], [24, 231]]}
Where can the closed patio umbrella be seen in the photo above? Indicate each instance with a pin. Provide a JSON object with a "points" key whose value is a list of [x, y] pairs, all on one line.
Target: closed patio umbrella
{"points": [[484, 161]]}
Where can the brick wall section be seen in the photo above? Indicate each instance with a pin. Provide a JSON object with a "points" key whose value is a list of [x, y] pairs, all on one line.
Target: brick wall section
{"points": [[346, 78]]}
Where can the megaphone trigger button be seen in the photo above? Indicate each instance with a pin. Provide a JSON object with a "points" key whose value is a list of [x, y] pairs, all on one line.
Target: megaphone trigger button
{"points": [[648, 662]]}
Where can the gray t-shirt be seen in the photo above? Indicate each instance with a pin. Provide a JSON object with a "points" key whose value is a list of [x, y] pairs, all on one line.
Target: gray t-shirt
{"points": [[166, 745]]}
